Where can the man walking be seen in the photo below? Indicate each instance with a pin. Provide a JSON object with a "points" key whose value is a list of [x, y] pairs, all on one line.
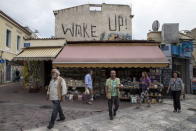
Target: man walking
{"points": [[112, 93], [56, 91], [89, 85], [17, 75]]}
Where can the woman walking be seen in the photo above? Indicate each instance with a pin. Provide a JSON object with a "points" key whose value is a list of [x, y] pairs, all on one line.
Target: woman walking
{"points": [[145, 83], [176, 86]]}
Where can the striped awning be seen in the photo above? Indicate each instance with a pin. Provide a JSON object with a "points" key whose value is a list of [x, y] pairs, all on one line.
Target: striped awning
{"points": [[38, 53], [111, 57], [8, 56]]}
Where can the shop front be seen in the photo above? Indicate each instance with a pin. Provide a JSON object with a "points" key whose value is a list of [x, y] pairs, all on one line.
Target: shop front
{"points": [[37, 64], [6, 67], [182, 62], [128, 60], [193, 84]]}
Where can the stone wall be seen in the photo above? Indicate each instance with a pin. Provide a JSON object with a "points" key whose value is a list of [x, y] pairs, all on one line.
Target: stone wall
{"points": [[94, 22]]}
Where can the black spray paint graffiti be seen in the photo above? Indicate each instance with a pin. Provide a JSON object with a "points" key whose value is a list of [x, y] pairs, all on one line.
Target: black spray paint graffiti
{"points": [[117, 23], [82, 30]]}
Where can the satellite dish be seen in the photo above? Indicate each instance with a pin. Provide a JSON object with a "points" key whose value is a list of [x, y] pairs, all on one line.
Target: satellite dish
{"points": [[36, 31], [155, 25]]}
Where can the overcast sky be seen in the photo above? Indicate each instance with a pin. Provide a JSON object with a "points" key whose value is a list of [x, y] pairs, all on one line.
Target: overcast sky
{"points": [[38, 14]]}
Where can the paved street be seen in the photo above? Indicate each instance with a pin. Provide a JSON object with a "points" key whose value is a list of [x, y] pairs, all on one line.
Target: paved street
{"points": [[157, 118], [20, 110]]}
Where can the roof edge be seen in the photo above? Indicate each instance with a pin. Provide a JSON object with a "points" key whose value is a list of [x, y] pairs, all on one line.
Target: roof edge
{"points": [[55, 38], [113, 41], [54, 11], [5, 16], [189, 37], [37, 47]]}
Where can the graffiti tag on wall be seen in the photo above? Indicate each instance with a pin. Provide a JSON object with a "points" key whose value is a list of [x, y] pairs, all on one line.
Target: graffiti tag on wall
{"points": [[82, 30], [117, 24]]}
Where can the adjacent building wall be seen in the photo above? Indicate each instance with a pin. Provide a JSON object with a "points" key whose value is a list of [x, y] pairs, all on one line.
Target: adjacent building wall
{"points": [[170, 33], [156, 36], [170, 37], [8, 52], [44, 42], [94, 22], [14, 33]]}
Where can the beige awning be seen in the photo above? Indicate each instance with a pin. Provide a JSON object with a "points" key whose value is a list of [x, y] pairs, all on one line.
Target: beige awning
{"points": [[38, 53]]}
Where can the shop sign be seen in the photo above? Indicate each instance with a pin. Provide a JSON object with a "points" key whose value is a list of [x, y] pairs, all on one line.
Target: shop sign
{"points": [[27, 44], [175, 50], [2, 61], [165, 48], [184, 49]]}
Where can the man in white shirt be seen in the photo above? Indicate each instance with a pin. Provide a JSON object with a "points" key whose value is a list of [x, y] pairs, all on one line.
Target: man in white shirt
{"points": [[56, 93]]}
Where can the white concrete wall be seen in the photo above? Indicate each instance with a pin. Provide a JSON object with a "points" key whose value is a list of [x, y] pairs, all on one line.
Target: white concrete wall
{"points": [[79, 23], [45, 42], [156, 36]]}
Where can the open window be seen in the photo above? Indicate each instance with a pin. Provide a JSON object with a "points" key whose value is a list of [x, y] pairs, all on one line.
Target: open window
{"points": [[95, 8]]}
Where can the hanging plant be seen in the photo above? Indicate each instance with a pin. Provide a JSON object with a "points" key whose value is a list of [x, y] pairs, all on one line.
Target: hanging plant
{"points": [[1, 72], [35, 69], [26, 75]]}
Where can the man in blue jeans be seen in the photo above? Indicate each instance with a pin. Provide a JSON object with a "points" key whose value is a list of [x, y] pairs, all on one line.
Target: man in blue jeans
{"points": [[56, 93], [112, 94]]}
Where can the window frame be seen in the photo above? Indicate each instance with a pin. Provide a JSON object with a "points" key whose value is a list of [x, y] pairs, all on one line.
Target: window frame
{"points": [[95, 8], [18, 42], [8, 38]]}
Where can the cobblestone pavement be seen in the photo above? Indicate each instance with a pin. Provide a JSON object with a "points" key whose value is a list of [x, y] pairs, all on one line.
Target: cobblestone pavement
{"points": [[20, 110], [157, 118], [16, 116]]}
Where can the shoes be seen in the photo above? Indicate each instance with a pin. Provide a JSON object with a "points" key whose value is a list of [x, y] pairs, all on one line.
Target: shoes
{"points": [[175, 111], [92, 99], [114, 114], [179, 111], [50, 126], [111, 117], [61, 119], [149, 105], [90, 103]]}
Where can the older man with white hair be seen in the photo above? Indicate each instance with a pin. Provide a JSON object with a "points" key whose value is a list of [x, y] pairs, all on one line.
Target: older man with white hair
{"points": [[56, 93]]}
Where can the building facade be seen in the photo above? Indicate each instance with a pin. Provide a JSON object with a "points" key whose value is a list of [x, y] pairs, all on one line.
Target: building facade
{"points": [[94, 22], [37, 57], [12, 37], [178, 49]]}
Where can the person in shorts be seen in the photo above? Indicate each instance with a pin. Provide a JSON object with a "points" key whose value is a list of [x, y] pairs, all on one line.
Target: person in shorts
{"points": [[89, 85]]}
